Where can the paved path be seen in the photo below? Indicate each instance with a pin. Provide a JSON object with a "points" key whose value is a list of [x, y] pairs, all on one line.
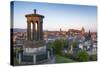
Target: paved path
{"points": [[51, 60]]}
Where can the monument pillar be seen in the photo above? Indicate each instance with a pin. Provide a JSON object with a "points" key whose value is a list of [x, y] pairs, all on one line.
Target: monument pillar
{"points": [[33, 31], [28, 30], [38, 30], [41, 30], [37, 34]]}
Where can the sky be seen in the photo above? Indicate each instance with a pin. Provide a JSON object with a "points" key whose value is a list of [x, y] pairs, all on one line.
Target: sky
{"points": [[64, 16]]}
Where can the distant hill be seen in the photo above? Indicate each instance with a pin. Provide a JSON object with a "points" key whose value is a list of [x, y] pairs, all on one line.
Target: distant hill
{"points": [[19, 30], [25, 30]]}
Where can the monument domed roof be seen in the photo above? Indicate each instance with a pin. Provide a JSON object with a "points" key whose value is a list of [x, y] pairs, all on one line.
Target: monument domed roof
{"points": [[34, 14]]}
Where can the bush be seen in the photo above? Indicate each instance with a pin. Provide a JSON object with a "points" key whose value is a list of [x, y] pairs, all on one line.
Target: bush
{"points": [[82, 56], [16, 61], [93, 57]]}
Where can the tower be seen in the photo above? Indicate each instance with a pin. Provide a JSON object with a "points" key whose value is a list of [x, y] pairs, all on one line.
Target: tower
{"points": [[82, 30], [34, 26], [60, 32]]}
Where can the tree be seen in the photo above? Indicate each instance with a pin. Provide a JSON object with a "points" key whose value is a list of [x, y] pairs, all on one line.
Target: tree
{"points": [[66, 43], [58, 46], [82, 56], [49, 45], [75, 44]]}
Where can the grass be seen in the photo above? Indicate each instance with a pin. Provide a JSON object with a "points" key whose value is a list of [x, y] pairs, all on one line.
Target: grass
{"points": [[61, 59]]}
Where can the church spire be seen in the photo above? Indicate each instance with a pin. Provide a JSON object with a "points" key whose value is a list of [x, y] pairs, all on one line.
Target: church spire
{"points": [[82, 30]]}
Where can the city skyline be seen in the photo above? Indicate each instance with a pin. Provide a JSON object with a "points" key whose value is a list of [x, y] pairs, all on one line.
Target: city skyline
{"points": [[64, 16]]}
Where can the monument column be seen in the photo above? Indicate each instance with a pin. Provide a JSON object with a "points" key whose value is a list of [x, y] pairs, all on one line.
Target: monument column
{"points": [[41, 30], [28, 30], [38, 30], [34, 31]]}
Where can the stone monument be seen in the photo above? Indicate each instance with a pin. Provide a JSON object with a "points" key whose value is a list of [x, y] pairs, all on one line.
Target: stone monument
{"points": [[34, 22], [34, 48]]}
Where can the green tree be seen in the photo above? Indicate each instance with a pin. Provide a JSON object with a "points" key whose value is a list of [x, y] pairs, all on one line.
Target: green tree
{"points": [[82, 56], [58, 46], [75, 44], [49, 45]]}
